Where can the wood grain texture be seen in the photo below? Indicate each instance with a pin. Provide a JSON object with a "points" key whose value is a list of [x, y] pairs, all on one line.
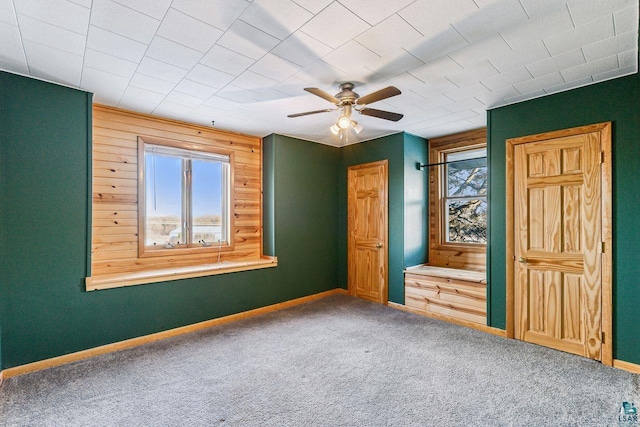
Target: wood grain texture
{"points": [[559, 217], [457, 294], [116, 190], [442, 253], [367, 224]]}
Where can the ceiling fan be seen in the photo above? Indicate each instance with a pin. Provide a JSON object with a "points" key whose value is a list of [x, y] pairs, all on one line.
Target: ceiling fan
{"points": [[347, 100]]}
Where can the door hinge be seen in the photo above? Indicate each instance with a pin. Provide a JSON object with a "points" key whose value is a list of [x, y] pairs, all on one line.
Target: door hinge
{"points": [[602, 337], [602, 157], [602, 247]]}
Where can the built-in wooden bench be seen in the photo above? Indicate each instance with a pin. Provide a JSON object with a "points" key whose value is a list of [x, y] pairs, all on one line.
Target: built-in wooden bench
{"points": [[449, 292]]}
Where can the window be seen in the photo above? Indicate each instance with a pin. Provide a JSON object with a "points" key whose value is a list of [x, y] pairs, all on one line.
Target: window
{"points": [[458, 200], [465, 196], [186, 198]]}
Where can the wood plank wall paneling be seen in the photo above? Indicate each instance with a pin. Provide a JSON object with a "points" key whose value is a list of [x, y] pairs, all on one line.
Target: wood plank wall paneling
{"points": [[443, 254], [114, 247]]}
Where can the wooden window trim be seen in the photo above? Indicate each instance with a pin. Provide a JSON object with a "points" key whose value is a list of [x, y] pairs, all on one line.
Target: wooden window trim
{"points": [[146, 251], [438, 147]]}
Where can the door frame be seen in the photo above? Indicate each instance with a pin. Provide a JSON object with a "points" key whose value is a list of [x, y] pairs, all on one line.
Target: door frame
{"points": [[607, 230], [384, 292]]}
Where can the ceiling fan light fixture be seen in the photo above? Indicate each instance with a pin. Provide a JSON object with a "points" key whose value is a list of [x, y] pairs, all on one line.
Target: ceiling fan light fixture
{"points": [[356, 126], [334, 129], [344, 122]]}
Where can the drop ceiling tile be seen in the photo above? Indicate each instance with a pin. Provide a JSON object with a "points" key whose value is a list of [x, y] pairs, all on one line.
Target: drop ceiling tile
{"points": [[506, 79], [143, 95], [626, 20], [190, 32], [590, 68], [134, 103], [106, 96], [195, 89], [477, 53], [274, 67], [525, 97], [538, 8], [219, 13], [529, 54], [171, 110], [433, 47], [541, 27], [459, 94], [173, 53], [389, 36], [252, 81], [580, 36], [608, 75], [540, 83], [7, 12], [395, 63], [467, 104], [323, 26], [269, 94], [301, 49], [292, 86], [491, 20], [375, 11], [121, 20], [154, 8], [569, 85], [432, 18], [161, 70], [319, 71], [557, 63], [60, 13], [184, 99], [51, 36], [434, 101], [94, 79], [349, 56], [12, 49], [209, 76], [15, 67], [222, 103], [607, 47], [109, 63], [434, 69], [435, 86], [279, 18], [235, 93], [151, 84], [226, 60], [496, 97], [247, 40], [83, 3], [474, 74], [628, 59], [114, 44], [583, 12], [53, 64], [314, 6]]}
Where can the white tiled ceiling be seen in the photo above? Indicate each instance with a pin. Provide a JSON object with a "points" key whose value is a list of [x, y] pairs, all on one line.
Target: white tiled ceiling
{"points": [[244, 64]]}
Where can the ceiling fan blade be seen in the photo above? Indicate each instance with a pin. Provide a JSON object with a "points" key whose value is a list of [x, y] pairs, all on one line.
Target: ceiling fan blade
{"points": [[387, 115], [379, 95], [322, 94], [306, 113]]}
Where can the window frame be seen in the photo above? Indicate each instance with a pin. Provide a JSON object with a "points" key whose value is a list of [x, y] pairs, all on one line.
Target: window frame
{"points": [[438, 191], [190, 248]]}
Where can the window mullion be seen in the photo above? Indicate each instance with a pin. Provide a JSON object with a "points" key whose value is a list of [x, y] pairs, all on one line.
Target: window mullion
{"points": [[186, 201]]}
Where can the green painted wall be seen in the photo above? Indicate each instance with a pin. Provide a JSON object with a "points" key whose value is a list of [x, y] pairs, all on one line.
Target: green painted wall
{"points": [[403, 152], [617, 101], [44, 170]]}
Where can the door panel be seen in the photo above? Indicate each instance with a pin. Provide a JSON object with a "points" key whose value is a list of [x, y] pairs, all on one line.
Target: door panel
{"points": [[367, 228], [557, 266]]}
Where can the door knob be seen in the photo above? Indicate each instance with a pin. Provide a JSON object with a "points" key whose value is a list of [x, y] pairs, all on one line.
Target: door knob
{"points": [[522, 259], [378, 245]]}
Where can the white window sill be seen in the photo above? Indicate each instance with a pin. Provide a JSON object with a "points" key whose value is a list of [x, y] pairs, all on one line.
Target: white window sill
{"points": [[153, 276]]}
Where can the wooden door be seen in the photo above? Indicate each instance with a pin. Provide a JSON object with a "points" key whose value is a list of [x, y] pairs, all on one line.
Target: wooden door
{"points": [[367, 230], [558, 242]]}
